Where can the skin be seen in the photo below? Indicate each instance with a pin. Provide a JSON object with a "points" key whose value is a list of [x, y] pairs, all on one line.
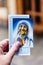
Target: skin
{"points": [[5, 59]]}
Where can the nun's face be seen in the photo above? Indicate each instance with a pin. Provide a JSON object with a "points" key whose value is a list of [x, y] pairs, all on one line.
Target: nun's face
{"points": [[22, 30]]}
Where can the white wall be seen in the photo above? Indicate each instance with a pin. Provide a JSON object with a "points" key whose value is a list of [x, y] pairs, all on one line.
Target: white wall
{"points": [[12, 6], [3, 13], [11, 9]]}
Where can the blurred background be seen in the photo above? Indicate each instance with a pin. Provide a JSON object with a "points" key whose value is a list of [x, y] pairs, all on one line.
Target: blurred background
{"points": [[35, 9]]}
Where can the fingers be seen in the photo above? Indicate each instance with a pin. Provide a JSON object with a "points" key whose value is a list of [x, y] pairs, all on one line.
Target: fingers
{"points": [[1, 52], [4, 45], [13, 50]]}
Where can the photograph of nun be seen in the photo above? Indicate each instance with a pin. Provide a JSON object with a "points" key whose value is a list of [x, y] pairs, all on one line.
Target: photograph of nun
{"points": [[23, 31]]}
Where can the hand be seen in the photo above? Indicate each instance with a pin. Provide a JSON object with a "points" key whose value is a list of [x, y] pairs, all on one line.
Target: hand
{"points": [[5, 59]]}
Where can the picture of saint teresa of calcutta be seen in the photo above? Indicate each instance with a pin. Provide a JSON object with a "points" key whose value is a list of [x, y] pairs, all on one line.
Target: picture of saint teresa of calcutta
{"points": [[23, 31]]}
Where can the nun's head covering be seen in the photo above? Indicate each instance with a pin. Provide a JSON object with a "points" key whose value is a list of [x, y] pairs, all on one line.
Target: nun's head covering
{"points": [[27, 24]]}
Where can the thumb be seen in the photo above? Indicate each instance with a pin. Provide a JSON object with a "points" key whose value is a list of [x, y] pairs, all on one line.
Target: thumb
{"points": [[12, 51]]}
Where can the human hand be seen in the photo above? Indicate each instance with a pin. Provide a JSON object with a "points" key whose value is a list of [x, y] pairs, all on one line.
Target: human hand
{"points": [[5, 59]]}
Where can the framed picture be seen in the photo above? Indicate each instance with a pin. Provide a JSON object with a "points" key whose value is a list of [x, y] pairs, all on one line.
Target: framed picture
{"points": [[21, 29]]}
